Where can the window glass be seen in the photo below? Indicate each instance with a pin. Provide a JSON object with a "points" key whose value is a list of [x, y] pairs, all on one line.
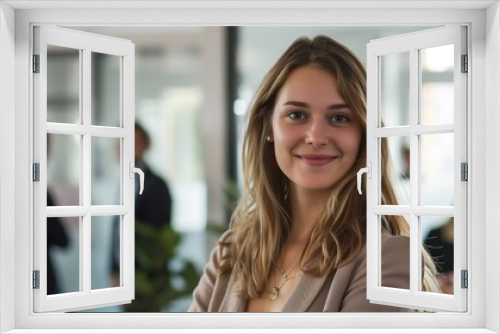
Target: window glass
{"points": [[437, 172], [392, 277], [438, 238], [399, 167], [395, 89], [105, 171], [63, 169], [105, 269], [106, 80], [437, 91], [63, 255], [63, 85]]}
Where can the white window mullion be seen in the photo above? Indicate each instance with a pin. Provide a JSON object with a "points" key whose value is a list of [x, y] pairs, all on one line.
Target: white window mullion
{"points": [[86, 160], [108, 210], [416, 129], [400, 210], [392, 131], [66, 129], [66, 211], [104, 131], [80, 211], [414, 175], [76, 129], [86, 254], [434, 129]]}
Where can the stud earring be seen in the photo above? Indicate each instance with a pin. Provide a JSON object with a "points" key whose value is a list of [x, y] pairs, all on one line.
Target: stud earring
{"points": [[269, 139]]}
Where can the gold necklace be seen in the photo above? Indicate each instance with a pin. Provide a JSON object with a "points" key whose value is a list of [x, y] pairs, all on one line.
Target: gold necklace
{"points": [[275, 292]]}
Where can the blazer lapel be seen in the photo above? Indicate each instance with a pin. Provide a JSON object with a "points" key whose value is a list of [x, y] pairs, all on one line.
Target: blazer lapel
{"points": [[232, 302], [304, 294]]}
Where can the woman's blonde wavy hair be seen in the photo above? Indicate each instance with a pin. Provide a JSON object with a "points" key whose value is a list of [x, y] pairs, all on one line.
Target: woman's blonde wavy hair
{"points": [[261, 222]]}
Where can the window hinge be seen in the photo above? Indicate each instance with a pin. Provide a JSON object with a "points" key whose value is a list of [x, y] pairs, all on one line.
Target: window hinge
{"points": [[464, 171], [36, 63], [36, 279], [465, 279], [36, 172], [465, 64]]}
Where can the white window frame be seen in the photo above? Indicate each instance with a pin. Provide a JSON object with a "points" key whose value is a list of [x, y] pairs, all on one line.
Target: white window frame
{"points": [[84, 43], [16, 123], [412, 43]]}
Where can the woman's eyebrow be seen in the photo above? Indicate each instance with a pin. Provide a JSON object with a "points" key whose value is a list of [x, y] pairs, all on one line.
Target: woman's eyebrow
{"points": [[305, 105], [338, 106]]}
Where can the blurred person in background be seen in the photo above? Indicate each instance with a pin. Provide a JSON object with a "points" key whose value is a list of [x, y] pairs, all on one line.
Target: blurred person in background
{"points": [[153, 208], [439, 242]]}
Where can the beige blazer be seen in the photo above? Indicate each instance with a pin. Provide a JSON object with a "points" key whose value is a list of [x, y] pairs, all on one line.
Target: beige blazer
{"points": [[343, 290]]}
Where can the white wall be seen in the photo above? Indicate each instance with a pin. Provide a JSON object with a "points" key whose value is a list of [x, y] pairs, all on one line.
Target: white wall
{"points": [[492, 160], [7, 158]]}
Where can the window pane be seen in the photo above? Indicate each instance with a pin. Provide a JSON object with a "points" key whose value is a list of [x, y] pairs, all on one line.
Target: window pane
{"points": [[395, 89], [391, 261], [105, 171], [399, 167], [105, 257], [437, 174], [437, 85], [63, 255], [63, 169], [63, 85], [437, 236], [105, 79]]}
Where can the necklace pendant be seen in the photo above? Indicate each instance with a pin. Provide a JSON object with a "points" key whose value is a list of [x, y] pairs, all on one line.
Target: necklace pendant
{"points": [[274, 294]]}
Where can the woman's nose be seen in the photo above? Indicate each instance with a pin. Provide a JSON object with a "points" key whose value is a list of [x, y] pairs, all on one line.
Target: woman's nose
{"points": [[317, 135]]}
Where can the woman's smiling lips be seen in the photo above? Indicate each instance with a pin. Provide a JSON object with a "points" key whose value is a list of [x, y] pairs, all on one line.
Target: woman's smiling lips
{"points": [[316, 159]]}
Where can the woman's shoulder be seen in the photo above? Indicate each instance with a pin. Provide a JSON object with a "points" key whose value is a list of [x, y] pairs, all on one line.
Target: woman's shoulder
{"points": [[395, 258], [221, 248], [208, 295], [352, 278], [391, 242], [395, 255]]}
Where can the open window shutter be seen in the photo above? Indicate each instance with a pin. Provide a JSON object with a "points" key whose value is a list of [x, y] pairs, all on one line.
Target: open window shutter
{"points": [[416, 131], [83, 133]]}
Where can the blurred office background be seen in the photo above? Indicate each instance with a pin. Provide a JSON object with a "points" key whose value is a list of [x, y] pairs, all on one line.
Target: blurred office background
{"points": [[193, 88]]}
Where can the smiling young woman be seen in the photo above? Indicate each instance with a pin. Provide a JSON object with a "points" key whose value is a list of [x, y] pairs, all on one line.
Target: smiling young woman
{"points": [[297, 240]]}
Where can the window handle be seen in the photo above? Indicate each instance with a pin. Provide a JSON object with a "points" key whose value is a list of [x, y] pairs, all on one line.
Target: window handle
{"points": [[141, 175], [367, 170]]}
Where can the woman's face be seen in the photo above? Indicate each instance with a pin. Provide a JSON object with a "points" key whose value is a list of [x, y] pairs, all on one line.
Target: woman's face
{"points": [[316, 136]]}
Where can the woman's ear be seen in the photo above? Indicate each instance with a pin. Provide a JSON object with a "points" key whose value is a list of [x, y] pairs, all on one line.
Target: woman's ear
{"points": [[270, 136]]}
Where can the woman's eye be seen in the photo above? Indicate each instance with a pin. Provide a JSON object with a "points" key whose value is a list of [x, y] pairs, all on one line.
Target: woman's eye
{"points": [[340, 118], [296, 115]]}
